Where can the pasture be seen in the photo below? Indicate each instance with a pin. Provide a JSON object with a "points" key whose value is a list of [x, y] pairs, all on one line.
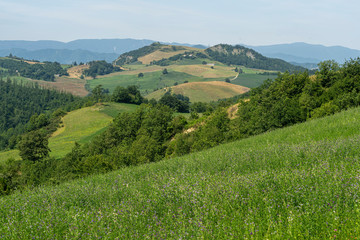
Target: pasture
{"points": [[148, 83], [300, 182]]}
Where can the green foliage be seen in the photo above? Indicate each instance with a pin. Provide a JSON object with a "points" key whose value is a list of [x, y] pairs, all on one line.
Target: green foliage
{"points": [[200, 107], [98, 93], [294, 183], [100, 68], [34, 146], [239, 55], [131, 94], [18, 103], [327, 74], [45, 71], [177, 102], [37, 122]]}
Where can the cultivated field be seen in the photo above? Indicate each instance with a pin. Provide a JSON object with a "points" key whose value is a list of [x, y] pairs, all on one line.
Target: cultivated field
{"points": [[70, 85], [206, 71], [300, 182], [84, 124], [203, 91], [160, 54], [150, 82], [251, 80]]}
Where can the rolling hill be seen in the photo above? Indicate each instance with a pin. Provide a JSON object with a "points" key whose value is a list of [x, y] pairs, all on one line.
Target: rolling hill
{"points": [[297, 182], [223, 53], [202, 91], [186, 64], [79, 126]]}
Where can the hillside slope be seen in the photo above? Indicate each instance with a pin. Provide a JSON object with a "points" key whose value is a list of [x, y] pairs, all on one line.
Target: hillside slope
{"points": [[79, 126], [203, 91], [297, 182], [164, 55]]}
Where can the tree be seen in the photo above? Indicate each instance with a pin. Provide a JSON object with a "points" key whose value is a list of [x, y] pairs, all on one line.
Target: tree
{"points": [[140, 75], [97, 93], [34, 146], [328, 73], [227, 80], [121, 95], [165, 71]]}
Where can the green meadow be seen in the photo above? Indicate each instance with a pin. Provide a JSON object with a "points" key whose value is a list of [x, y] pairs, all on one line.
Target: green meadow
{"points": [[300, 182], [148, 83], [79, 126], [251, 80]]}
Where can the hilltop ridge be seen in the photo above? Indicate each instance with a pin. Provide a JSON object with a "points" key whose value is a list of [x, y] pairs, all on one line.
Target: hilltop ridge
{"points": [[223, 53]]}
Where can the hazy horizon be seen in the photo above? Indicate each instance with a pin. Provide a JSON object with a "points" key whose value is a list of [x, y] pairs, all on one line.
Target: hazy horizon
{"points": [[254, 23]]}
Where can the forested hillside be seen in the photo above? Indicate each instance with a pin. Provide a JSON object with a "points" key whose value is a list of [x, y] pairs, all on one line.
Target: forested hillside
{"points": [[18, 103], [239, 55], [42, 71]]}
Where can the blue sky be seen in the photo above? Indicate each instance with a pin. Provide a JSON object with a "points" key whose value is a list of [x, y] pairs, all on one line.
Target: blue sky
{"points": [[251, 22]]}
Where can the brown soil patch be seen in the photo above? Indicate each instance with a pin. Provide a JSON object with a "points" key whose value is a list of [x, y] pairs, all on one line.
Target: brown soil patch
{"points": [[70, 85], [31, 62], [77, 71]]}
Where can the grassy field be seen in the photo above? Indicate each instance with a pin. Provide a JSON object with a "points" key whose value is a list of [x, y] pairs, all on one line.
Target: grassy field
{"points": [[70, 85], [300, 182], [203, 91], [251, 80], [205, 71], [5, 155], [147, 84], [79, 126], [84, 124]]}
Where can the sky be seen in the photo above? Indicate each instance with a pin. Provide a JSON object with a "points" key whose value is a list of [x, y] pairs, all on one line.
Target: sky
{"points": [[207, 22]]}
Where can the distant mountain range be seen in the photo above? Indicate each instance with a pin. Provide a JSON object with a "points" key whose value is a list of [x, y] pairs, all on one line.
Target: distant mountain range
{"points": [[307, 53], [85, 50], [65, 56]]}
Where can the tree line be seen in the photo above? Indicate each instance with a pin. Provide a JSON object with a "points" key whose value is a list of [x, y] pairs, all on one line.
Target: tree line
{"points": [[19, 102], [41, 71], [100, 68]]}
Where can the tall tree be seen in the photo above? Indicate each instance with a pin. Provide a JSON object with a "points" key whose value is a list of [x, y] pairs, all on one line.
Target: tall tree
{"points": [[34, 146]]}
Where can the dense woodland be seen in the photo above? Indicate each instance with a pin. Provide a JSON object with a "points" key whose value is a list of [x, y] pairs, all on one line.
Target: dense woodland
{"points": [[152, 132], [239, 55], [100, 68], [19, 102], [41, 71]]}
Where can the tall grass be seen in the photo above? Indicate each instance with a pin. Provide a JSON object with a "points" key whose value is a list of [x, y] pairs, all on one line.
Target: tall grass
{"points": [[301, 182]]}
